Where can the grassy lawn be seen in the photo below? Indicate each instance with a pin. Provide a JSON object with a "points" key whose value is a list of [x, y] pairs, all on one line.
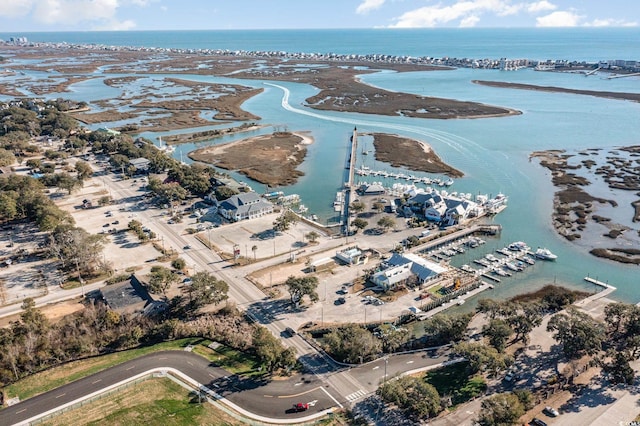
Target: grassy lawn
{"points": [[152, 402], [453, 380], [233, 361]]}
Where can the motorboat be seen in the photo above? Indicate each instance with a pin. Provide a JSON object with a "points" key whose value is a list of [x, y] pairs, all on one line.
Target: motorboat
{"points": [[545, 254], [467, 268], [491, 258], [518, 246]]}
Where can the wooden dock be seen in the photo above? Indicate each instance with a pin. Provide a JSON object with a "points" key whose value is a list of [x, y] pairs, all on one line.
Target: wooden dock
{"points": [[598, 283]]}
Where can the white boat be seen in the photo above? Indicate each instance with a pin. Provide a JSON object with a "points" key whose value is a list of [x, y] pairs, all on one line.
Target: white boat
{"points": [[491, 258], [500, 272], [528, 260], [518, 246], [467, 268], [545, 254], [513, 266]]}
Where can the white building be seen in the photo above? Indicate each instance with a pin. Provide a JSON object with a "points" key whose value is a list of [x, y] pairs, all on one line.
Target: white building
{"points": [[402, 267], [247, 205]]}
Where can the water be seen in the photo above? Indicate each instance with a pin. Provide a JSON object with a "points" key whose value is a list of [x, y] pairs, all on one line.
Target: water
{"points": [[493, 153]]}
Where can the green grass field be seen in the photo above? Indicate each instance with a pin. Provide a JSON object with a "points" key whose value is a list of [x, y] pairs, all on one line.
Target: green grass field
{"points": [[453, 380], [152, 402], [234, 361]]}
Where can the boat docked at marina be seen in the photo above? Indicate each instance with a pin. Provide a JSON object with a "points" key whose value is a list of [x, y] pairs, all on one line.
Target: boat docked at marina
{"points": [[545, 254], [518, 246]]}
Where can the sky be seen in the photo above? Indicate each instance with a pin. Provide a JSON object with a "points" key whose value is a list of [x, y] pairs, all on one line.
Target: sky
{"points": [[110, 15]]}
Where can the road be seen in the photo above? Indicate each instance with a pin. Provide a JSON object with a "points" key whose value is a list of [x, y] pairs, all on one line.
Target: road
{"points": [[259, 399], [339, 385]]}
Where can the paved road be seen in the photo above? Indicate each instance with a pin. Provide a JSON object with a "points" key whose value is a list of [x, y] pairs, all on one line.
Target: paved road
{"points": [[272, 400]]}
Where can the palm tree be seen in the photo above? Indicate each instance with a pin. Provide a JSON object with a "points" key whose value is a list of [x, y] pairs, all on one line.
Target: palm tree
{"points": [[254, 249]]}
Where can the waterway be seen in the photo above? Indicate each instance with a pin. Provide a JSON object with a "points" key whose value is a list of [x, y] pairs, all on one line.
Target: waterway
{"points": [[493, 153]]}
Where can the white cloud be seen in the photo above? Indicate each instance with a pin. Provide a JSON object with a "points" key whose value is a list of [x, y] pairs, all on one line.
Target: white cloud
{"points": [[101, 13], [116, 26], [610, 23], [16, 8], [469, 21], [465, 11], [74, 11], [559, 19], [368, 5], [541, 6]]}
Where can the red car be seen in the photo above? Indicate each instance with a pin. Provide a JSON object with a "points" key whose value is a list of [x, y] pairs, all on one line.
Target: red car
{"points": [[301, 406]]}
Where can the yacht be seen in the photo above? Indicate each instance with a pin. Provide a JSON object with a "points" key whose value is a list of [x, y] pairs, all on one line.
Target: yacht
{"points": [[545, 254], [518, 246]]}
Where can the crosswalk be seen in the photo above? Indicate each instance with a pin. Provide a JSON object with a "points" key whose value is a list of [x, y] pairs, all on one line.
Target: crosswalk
{"points": [[356, 395]]}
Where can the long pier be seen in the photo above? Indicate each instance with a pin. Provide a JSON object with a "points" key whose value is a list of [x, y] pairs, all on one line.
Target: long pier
{"points": [[349, 184]]}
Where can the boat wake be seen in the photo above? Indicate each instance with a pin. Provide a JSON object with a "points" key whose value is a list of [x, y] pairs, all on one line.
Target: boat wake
{"points": [[457, 143]]}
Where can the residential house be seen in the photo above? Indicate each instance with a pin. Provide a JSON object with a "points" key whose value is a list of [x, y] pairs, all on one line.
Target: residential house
{"points": [[141, 164]]}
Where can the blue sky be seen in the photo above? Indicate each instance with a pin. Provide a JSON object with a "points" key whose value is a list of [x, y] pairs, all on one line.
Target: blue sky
{"points": [[92, 15]]}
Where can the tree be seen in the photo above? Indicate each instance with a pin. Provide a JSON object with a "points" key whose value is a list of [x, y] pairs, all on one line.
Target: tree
{"points": [[254, 249], [178, 264], [352, 343], [447, 328], [525, 318], [619, 370], [357, 207], [285, 221], [84, 170], [359, 224], [270, 351], [67, 182], [413, 395], [312, 236], [498, 332], [74, 247], [224, 192], [205, 289], [299, 287], [482, 357], [160, 279], [378, 206], [501, 409], [578, 333], [386, 222]]}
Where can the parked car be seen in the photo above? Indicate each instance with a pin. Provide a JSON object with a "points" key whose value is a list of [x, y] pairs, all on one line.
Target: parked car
{"points": [[550, 411], [339, 301], [301, 406], [537, 422], [290, 331]]}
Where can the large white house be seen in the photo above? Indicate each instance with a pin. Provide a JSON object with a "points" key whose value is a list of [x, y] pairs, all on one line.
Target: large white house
{"points": [[443, 208], [248, 205], [402, 267]]}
